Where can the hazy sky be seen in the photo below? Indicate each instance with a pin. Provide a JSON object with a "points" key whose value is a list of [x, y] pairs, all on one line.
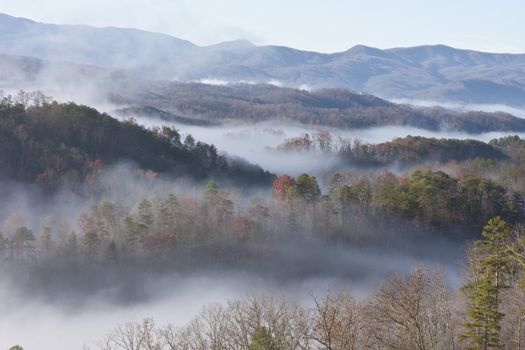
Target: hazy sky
{"points": [[321, 25]]}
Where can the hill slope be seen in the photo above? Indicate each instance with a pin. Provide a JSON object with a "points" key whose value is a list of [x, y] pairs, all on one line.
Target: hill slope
{"points": [[53, 141]]}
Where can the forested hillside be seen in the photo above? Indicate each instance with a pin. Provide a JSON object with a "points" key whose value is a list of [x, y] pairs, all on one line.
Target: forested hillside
{"points": [[329, 107], [48, 142], [406, 151]]}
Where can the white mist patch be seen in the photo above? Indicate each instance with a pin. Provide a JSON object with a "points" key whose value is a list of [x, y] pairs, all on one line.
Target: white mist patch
{"points": [[275, 82], [258, 145], [223, 82], [217, 82]]}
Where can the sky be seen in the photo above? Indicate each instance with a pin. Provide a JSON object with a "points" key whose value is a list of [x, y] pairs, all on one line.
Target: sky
{"points": [[318, 25]]}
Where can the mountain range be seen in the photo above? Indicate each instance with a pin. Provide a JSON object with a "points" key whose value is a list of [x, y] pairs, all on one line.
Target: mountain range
{"points": [[423, 73]]}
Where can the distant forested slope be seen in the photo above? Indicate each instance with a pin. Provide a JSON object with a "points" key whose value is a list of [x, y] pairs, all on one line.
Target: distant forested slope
{"points": [[329, 107]]}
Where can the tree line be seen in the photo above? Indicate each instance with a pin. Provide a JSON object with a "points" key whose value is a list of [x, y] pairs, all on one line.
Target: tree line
{"points": [[221, 226]]}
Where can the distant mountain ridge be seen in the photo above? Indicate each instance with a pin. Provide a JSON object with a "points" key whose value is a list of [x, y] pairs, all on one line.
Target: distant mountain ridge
{"points": [[129, 95], [434, 72]]}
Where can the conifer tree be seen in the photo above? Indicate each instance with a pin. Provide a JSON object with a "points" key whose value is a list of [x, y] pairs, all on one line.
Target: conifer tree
{"points": [[488, 272], [262, 340], [145, 217]]}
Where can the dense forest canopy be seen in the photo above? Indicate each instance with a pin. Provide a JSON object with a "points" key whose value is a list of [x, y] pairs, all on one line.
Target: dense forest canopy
{"points": [[47, 141]]}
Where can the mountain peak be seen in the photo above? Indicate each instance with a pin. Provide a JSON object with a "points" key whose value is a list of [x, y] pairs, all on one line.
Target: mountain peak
{"points": [[235, 44], [363, 49]]}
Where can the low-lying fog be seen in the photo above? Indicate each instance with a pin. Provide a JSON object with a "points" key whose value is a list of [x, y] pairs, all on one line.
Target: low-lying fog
{"points": [[39, 319], [38, 324], [258, 143]]}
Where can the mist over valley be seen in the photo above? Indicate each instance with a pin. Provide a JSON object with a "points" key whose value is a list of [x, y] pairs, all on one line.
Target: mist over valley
{"points": [[161, 195]]}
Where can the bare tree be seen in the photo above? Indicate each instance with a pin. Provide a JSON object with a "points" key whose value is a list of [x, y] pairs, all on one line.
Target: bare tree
{"points": [[208, 331], [513, 327], [411, 312], [337, 322], [513, 301], [135, 336], [285, 320]]}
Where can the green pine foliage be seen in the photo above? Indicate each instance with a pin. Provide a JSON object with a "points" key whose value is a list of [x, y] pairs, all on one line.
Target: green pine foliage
{"points": [[262, 340], [489, 272]]}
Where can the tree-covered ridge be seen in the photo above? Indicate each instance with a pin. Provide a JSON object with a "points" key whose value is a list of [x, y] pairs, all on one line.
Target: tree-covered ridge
{"points": [[417, 149], [329, 107], [48, 141], [410, 150]]}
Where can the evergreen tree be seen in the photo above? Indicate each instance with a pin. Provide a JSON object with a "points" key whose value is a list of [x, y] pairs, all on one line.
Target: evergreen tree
{"points": [[167, 212], [145, 217], [307, 188], [262, 340], [46, 239], [3, 243], [488, 270], [211, 191], [91, 242], [132, 231]]}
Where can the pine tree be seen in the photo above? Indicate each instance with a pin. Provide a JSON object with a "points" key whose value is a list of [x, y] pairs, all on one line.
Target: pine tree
{"points": [[262, 340], [307, 188], [91, 242], [145, 217], [211, 191], [488, 270], [111, 253], [167, 213]]}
